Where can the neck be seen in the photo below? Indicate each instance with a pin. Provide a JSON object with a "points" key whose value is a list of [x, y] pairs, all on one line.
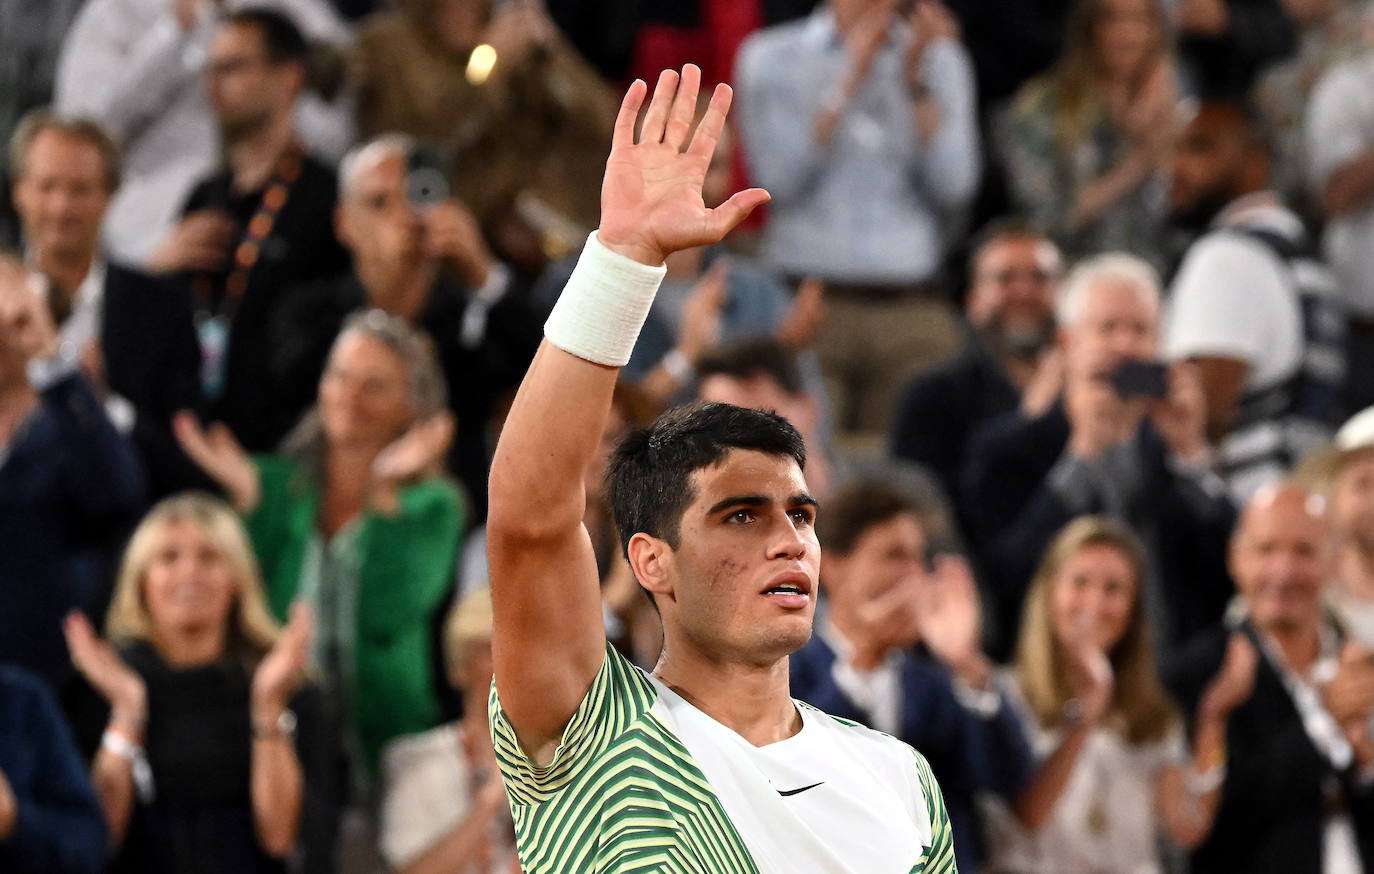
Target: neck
{"points": [[67, 269], [1357, 571], [752, 700], [191, 647], [401, 290], [1299, 644], [254, 156], [346, 466]]}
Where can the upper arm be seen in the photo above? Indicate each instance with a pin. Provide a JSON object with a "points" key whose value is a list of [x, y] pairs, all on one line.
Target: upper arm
{"points": [[1334, 129], [1223, 381]]}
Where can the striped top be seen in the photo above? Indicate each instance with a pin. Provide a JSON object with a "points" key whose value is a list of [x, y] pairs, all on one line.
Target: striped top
{"points": [[624, 794]]}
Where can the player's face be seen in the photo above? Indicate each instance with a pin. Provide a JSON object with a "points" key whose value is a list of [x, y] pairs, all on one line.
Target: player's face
{"points": [[745, 574]]}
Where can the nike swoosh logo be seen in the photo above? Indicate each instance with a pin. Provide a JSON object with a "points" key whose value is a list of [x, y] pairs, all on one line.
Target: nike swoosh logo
{"points": [[786, 793]]}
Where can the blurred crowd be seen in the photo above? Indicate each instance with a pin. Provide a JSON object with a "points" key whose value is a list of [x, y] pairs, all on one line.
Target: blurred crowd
{"points": [[1071, 300]]}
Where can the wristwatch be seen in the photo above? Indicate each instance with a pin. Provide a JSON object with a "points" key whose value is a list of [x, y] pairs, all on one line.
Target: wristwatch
{"points": [[284, 726]]}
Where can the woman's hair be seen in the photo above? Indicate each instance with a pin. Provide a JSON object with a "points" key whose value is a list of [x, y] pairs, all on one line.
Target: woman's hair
{"points": [[252, 630], [1075, 79], [428, 393], [1140, 710], [468, 621]]}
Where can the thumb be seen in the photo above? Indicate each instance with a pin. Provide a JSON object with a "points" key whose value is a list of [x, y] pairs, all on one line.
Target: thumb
{"points": [[727, 216]]}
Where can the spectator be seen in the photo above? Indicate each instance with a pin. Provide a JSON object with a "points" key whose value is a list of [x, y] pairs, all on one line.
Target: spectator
{"points": [[1010, 43], [1348, 480], [70, 484], [1251, 308], [1298, 789], [524, 133], [1225, 44], [429, 266], [881, 601], [133, 334], [1084, 143], [50, 822], [197, 768], [1007, 360], [866, 178], [1114, 774], [443, 808], [356, 521], [255, 228], [137, 67], [31, 32], [1100, 449], [761, 374], [1340, 151]]}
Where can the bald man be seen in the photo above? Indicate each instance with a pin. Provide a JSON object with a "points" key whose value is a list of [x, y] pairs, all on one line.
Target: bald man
{"points": [[1298, 787]]}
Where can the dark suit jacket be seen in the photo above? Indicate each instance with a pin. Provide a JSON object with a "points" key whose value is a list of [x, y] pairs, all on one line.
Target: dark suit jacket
{"points": [[1014, 514], [70, 492], [1272, 804], [967, 753], [152, 360]]}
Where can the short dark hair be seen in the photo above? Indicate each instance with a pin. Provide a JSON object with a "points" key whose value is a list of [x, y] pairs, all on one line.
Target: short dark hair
{"points": [[998, 230], [281, 38], [752, 356], [860, 505], [649, 477], [37, 121]]}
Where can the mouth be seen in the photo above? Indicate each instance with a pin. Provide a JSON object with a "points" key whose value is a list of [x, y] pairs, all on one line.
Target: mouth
{"points": [[791, 591]]}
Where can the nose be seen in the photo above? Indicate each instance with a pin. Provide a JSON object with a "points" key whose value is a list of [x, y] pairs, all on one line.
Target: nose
{"points": [[788, 541]]}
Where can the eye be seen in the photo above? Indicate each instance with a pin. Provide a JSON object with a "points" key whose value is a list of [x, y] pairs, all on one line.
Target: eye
{"points": [[740, 517], [801, 517]]}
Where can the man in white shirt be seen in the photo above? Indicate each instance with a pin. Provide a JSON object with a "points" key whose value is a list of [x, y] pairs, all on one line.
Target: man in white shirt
{"points": [[1250, 307], [137, 67]]}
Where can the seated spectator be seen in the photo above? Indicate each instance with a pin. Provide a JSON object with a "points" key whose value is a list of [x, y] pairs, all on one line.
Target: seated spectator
{"points": [[71, 487], [1347, 474], [1251, 307], [881, 600], [1134, 451], [256, 227], [50, 822], [1084, 143], [198, 767], [356, 520], [1298, 785], [429, 266], [133, 334], [443, 806], [866, 178], [1007, 360], [1339, 140], [1113, 772], [523, 125], [1226, 44], [138, 67]]}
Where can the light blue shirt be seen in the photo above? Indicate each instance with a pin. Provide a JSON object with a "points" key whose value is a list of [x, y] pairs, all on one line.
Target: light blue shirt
{"points": [[875, 204]]}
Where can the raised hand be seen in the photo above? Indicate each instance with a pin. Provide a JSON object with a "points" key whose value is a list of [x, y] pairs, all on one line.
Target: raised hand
{"points": [[282, 670], [1090, 674], [1235, 680], [951, 618], [217, 453], [702, 311], [419, 451], [1349, 697], [107, 673], [651, 203], [804, 318], [1181, 417], [26, 323]]}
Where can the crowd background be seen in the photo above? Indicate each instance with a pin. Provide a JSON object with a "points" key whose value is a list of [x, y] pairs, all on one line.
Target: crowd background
{"points": [[1071, 300]]}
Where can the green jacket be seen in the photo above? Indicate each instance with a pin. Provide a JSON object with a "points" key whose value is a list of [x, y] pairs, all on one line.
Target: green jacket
{"points": [[405, 575]]}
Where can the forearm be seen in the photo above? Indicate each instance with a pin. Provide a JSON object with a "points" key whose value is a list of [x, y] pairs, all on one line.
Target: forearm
{"points": [[277, 785], [1188, 799], [1036, 804], [1350, 187], [1098, 197], [113, 779]]}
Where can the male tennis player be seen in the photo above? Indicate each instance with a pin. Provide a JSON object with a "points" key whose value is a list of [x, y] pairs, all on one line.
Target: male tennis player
{"points": [[706, 766]]}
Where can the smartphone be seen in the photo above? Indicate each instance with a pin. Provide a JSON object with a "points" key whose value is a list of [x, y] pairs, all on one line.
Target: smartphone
{"points": [[426, 179], [1136, 378]]}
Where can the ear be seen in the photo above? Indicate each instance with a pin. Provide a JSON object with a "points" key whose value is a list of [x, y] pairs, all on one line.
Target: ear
{"points": [[342, 225], [652, 562]]}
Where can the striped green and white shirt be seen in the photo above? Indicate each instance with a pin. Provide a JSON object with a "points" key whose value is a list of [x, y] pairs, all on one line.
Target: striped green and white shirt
{"points": [[644, 782]]}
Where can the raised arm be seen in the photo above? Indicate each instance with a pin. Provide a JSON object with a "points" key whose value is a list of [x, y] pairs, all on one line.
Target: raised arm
{"points": [[549, 642]]}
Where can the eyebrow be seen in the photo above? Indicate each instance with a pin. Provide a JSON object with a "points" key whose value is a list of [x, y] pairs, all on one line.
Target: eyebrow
{"points": [[798, 500]]}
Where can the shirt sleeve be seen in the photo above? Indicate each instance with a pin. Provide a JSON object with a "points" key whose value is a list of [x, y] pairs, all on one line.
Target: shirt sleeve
{"points": [[1224, 302], [938, 858], [618, 696], [1335, 130]]}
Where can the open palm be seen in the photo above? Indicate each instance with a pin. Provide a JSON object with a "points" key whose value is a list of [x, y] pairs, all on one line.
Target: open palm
{"points": [[651, 204]]}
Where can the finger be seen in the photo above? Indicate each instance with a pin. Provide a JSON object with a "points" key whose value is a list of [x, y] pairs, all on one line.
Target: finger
{"points": [[624, 134], [657, 117], [726, 217], [708, 130], [190, 435], [684, 107]]}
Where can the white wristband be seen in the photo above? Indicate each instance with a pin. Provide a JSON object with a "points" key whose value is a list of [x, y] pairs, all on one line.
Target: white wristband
{"points": [[603, 307]]}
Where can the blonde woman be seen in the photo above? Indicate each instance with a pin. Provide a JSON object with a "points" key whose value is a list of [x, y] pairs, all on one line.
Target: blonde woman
{"points": [[197, 769], [1113, 771], [1084, 143]]}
